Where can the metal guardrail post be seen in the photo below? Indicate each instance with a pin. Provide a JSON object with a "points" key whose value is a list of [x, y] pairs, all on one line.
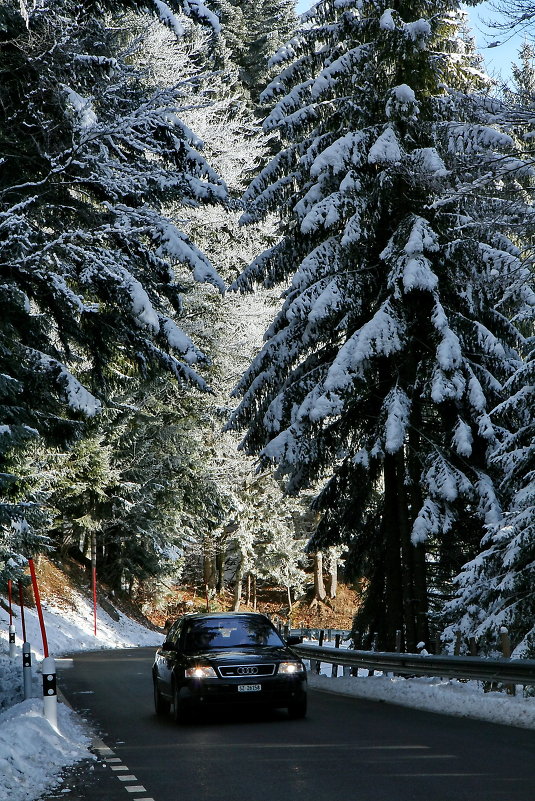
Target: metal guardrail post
{"points": [[334, 671]]}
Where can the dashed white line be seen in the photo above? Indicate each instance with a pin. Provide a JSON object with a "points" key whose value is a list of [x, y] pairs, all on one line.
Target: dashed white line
{"points": [[117, 766]]}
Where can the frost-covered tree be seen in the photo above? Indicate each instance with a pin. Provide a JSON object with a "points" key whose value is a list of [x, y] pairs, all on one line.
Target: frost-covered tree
{"points": [[139, 485], [227, 554], [90, 264], [401, 243], [523, 75]]}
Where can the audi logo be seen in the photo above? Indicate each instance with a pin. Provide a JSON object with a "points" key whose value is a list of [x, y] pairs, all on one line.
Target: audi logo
{"points": [[247, 671]]}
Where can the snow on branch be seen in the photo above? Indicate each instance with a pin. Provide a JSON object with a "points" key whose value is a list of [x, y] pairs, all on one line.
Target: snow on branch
{"points": [[382, 335], [78, 397]]}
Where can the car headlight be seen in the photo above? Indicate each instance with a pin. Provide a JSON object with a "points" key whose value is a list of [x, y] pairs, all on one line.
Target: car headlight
{"points": [[200, 672], [290, 667]]}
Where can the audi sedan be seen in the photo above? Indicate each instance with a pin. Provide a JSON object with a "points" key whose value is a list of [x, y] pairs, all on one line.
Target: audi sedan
{"points": [[227, 658]]}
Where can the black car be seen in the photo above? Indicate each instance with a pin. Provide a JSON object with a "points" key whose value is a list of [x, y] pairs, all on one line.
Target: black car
{"points": [[227, 658]]}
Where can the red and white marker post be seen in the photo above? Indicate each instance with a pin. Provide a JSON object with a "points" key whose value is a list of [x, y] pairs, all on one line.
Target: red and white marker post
{"points": [[50, 692]]}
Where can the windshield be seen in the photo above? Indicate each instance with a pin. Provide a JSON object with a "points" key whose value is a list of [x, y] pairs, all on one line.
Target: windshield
{"points": [[246, 632]]}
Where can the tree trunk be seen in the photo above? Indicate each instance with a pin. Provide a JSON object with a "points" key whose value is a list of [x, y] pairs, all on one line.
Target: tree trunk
{"points": [[319, 586], [238, 584], [407, 553], [421, 603], [393, 611], [332, 576], [421, 600], [220, 568], [209, 564]]}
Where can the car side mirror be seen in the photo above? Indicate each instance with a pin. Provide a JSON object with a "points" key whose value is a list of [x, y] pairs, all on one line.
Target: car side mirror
{"points": [[294, 640], [169, 646]]}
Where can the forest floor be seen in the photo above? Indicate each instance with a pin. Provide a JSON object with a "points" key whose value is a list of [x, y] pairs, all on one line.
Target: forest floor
{"points": [[305, 612], [59, 580]]}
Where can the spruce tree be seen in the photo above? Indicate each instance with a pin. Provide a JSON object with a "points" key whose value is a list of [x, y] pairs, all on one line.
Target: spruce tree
{"points": [[253, 32], [495, 589], [394, 339]]}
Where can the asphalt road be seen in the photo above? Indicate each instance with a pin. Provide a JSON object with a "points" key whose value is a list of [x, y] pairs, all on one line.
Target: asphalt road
{"points": [[345, 750]]}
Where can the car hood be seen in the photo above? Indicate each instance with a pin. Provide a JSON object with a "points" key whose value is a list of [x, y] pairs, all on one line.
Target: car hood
{"points": [[244, 656]]}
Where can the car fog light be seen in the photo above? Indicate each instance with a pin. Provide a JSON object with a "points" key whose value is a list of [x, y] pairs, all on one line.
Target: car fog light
{"points": [[200, 672], [290, 667]]}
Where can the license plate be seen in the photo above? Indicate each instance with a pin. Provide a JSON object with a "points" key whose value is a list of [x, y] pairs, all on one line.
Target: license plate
{"points": [[249, 688]]}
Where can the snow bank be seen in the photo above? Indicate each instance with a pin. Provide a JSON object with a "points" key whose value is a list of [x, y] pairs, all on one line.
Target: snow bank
{"points": [[447, 696], [32, 753]]}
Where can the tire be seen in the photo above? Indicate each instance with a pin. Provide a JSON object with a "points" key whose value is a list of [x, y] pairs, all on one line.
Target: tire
{"points": [[161, 704], [298, 709], [182, 712]]}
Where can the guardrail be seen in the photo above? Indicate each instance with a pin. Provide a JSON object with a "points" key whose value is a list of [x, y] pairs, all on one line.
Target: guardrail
{"points": [[510, 671]]}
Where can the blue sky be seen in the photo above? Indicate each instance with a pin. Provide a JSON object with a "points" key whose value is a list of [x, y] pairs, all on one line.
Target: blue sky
{"points": [[498, 59]]}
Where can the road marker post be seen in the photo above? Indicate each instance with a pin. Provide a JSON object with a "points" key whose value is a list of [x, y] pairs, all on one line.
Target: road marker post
{"points": [[50, 691], [27, 670], [26, 652], [12, 631]]}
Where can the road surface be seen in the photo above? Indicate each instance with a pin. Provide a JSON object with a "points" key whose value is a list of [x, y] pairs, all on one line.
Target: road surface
{"points": [[347, 749]]}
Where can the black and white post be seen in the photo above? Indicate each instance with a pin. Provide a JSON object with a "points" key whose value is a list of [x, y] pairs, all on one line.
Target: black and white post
{"points": [[50, 691], [27, 670]]}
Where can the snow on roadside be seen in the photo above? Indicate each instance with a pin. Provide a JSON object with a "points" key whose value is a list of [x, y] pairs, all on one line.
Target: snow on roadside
{"points": [[32, 753], [465, 699]]}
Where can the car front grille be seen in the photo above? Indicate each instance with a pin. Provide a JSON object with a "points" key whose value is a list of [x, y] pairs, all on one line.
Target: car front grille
{"points": [[246, 671]]}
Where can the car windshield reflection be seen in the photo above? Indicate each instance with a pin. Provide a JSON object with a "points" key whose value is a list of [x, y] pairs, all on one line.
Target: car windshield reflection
{"points": [[204, 635]]}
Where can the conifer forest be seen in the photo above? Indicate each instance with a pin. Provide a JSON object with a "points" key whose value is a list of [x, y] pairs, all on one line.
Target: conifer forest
{"points": [[267, 305]]}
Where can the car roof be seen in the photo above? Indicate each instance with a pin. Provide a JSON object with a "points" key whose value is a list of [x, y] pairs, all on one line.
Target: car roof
{"points": [[210, 615]]}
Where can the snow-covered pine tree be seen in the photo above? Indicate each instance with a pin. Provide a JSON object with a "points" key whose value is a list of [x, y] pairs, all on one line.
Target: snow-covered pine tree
{"points": [[89, 262], [391, 346], [164, 499], [495, 589]]}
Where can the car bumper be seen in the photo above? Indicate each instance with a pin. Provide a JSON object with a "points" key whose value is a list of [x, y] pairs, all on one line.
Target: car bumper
{"points": [[274, 692]]}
